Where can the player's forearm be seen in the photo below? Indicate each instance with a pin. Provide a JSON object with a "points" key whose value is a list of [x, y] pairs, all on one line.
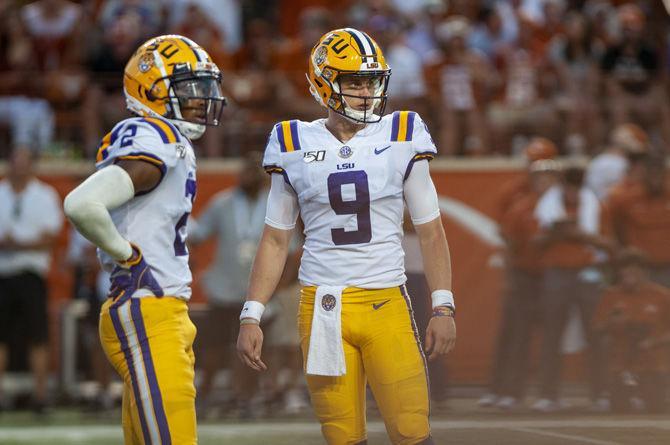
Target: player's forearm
{"points": [[435, 253], [88, 205], [268, 264]]}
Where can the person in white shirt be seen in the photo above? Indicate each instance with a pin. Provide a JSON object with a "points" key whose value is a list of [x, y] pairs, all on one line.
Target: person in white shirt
{"points": [[30, 220]]}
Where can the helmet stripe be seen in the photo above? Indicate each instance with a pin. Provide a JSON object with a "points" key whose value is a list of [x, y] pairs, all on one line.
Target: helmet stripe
{"points": [[357, 38], [372, 45]]}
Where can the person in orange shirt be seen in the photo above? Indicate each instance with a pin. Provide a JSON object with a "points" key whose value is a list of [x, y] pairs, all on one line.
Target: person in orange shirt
{"points": [[521, 296], [634, 319], [571, 241], [641, 217]]}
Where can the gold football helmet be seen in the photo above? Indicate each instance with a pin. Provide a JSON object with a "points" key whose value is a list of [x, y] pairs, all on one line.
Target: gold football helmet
{"points": [[348, 52], [172, 77]]}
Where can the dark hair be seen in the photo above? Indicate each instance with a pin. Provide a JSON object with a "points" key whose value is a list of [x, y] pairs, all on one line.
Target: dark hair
{"points": [[570, 49]]}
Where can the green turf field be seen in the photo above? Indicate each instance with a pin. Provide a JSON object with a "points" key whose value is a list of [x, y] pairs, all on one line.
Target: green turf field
{"points": [[72, 428]]}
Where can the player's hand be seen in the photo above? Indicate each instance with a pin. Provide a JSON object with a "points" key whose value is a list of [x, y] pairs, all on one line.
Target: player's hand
{"points": [[132, 275], [249, 346], [440, 336]]}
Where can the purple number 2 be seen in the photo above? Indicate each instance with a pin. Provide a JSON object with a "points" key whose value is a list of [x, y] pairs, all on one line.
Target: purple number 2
{"points": [[359, 206]]}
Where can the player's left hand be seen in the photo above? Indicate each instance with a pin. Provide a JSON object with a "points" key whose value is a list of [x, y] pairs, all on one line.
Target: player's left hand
{"points": [[250, 345], [440, 336], [132, 275]]}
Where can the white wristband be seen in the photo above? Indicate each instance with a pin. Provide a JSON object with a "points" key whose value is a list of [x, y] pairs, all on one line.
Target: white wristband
{"points": [[442, 297], [252, 309]]}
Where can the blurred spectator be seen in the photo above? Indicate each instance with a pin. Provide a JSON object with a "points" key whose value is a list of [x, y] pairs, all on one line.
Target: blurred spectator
{"points": [[574, 57], [633, 82], [148, 12], [460, 79], [90, 290], [53, 27], [407, 88], [29, 118], [489, 36], [571, 225], [291, 61], [30, 220], [522, 106], [634, 317], [421, 37], [104, 104], [199, 27], [640, 211], [523, 272], [611, 166], [236, 217]]}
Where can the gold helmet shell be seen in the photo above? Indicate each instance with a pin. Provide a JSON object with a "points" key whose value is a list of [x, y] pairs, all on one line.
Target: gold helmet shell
{"points": [[343, 52]]}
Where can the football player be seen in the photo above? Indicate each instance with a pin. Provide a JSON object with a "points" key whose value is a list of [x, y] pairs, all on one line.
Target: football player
{"points": [[135, 209], [349, 176]]}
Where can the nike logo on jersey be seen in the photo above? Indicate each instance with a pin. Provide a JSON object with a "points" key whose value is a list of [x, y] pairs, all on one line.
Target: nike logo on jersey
{"points": [[376, 306], [381, 150]]}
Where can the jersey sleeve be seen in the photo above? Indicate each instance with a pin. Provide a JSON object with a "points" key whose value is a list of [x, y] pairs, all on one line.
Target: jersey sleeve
{"points": [[422, 142], [272, 156], [152, 140], [407, 126]]}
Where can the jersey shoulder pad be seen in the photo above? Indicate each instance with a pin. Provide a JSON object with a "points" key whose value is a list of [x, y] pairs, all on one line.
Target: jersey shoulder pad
{"points": [[148, 139], [407, 126], [284, 138]]}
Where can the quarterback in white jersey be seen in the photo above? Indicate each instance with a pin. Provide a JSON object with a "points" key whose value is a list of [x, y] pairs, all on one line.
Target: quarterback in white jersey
{"points": [[135, 209], [349, 176]]}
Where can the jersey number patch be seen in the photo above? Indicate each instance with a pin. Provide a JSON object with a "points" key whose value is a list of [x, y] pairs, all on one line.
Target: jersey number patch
{"points": [[359, 206]]}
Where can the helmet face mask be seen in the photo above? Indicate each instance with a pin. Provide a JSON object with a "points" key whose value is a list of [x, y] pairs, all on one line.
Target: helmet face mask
{"points": [[348, 74], [195, 97], [173, 78], [372, 107]]}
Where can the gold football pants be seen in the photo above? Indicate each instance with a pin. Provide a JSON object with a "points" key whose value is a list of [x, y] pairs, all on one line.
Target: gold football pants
{"points": [[149, 342], [382, 349]]}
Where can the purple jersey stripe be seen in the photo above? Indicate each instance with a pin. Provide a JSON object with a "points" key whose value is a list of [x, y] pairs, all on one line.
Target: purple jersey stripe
{"points": [[157, 399], [280, 137], [294, 135], [394, 126], [118, 328], [410, 125], [160, 131]]}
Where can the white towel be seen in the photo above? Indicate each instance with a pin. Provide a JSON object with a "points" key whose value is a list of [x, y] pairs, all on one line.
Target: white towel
{"points": [[550, 208], [326, 353]]}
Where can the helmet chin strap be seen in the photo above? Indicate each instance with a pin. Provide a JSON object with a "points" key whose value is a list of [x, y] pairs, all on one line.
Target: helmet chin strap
{"points": [[358, 115], [189, 129]]}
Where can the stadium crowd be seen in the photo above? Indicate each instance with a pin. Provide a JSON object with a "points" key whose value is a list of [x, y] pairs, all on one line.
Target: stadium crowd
{"points": [[485, 74]]}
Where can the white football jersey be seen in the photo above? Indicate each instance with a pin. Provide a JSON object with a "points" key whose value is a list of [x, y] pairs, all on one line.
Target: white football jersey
{"points": [[350, 195], [155, 220]]}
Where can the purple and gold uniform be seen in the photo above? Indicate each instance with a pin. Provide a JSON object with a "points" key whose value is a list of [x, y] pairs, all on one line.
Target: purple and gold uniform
{"points": [[351, 201], [148, 339]]}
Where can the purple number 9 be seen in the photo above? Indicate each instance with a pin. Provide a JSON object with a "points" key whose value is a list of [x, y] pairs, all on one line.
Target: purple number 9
{"points": [[359, 206]]}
